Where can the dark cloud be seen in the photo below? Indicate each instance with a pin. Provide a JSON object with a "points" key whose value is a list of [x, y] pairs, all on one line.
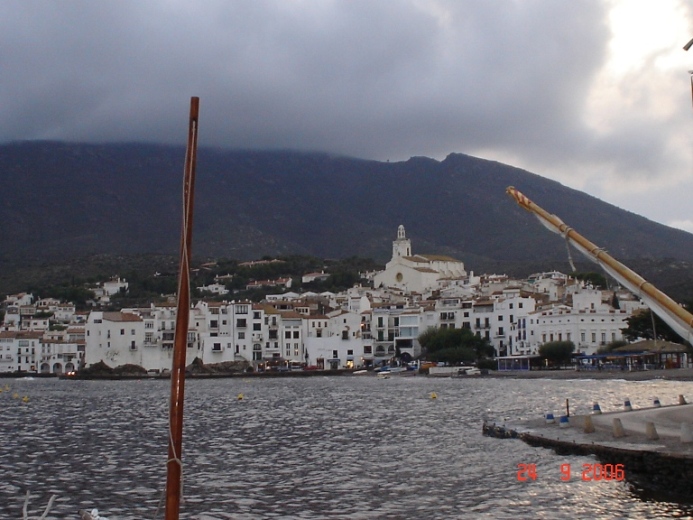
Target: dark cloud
{"points": [[374, 79]]}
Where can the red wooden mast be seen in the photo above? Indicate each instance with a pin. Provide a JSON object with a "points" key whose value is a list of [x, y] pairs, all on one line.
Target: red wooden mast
{"points": [[175, 445]]}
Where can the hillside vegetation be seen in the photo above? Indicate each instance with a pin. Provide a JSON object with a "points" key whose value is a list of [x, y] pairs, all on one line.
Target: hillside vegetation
{"points": [[79, 209]]}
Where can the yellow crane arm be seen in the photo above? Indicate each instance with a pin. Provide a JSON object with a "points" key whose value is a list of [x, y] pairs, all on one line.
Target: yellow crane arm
{"points": [[671, 312]]}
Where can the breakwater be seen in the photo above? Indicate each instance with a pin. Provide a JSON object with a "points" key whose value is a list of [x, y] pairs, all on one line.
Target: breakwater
{"points": [[651, 444]]}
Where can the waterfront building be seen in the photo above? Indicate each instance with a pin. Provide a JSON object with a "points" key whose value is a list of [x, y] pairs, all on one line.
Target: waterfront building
{"points": [[116, 338], [20, 350], [589, 323], [60, 353]]}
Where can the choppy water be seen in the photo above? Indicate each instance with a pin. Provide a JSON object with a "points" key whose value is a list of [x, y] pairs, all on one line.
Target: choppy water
{"points": [[308, 448]]}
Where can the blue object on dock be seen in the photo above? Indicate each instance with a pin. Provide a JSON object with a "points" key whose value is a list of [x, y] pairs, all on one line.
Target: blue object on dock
{"points": [[595, 408], [563, 421], [549, 418], [627, 406], [656, 403]]}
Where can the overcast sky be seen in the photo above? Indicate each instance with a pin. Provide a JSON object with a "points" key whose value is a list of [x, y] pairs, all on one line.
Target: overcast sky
{"points": [[593, 94]]}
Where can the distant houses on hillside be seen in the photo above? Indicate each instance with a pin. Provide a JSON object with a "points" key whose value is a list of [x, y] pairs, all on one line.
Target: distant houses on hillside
{"points": [[360, 327]]}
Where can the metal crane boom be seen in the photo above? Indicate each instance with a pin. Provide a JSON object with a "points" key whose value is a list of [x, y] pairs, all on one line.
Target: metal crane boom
{"points": [[673, 314]]}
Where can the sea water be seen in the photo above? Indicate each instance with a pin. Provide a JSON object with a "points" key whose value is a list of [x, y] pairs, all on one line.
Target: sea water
{"points": [[354, 447]]}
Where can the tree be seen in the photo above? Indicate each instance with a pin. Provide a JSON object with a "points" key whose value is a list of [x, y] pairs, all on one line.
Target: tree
{"points": [[640, 327], [611, 346], [454, 345], [557, 352]]}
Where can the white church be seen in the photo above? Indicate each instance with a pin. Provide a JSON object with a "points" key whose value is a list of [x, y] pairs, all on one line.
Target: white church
{"points": [[416, 273]]}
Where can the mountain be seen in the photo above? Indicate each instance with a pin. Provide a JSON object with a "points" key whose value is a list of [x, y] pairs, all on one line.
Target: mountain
{"points": [[68, 200]]}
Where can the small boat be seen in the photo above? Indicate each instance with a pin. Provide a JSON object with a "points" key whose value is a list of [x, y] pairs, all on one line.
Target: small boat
{"points": [[384, 374], [468, 371]]}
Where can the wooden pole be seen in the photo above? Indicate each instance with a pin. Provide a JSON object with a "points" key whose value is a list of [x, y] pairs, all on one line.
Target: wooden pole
{"points": [[671, 312], [175, 445]]}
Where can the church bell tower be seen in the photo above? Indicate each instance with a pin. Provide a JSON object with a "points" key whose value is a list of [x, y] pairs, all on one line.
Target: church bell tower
{"points": [[401, 246]]}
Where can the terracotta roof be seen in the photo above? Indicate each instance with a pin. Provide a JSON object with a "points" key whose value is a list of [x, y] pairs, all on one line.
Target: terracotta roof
{"points": [[16, 334], [425, 270], [292, 315], [121, 316], [440, 258], [417, 258]]}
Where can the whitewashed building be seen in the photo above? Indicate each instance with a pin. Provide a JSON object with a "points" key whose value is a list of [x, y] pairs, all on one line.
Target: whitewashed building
{"points": [[416, 273], [19, 351]]}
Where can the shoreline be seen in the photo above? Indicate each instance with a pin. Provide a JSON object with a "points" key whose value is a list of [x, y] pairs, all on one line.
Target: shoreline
{"points": [[667, 374], [671, 374]]}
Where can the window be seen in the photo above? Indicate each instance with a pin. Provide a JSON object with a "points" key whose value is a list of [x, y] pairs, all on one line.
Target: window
{"points": [[367, 349], [241, 322], [122, 332], [241, 335], [257, 326], [296, 334], [500, 318], [287, 334], [335, 354], [132, 332]]}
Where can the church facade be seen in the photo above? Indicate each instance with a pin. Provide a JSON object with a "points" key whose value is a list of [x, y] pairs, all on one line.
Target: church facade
{"points": [[416, 273]]}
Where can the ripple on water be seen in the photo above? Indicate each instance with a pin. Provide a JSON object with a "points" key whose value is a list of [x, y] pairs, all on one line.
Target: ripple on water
{"points": [[309, 448]]}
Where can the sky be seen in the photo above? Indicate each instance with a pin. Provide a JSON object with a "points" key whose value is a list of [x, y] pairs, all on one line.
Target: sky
{"points": [[595, 94]]}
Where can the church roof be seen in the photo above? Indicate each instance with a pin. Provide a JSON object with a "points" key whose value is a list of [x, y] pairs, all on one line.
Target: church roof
{"points": [[425, 270], [417, 258], [439, 258]]}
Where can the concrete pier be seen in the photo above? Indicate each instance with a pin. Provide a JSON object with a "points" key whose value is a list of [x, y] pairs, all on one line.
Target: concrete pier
{"points": [[654, 444]]}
